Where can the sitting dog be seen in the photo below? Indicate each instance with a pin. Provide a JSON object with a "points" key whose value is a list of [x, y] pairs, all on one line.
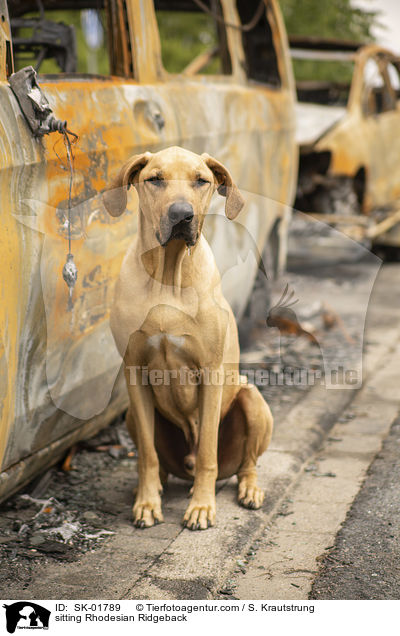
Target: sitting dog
{"points": [[191, 414]]}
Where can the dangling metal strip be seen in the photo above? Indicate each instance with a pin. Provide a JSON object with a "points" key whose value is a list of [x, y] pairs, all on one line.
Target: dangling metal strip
{"points": [[70, 270]]}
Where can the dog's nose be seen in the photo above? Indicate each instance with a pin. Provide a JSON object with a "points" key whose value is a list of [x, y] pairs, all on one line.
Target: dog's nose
{"points": [[180, 211]]}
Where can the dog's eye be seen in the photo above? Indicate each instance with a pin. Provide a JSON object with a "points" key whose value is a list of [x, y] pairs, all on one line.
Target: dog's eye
{"points": [[201, 182], [157, 181]]}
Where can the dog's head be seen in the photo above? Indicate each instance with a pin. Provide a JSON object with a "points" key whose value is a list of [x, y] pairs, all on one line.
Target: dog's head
{"points": [[175, 187]]}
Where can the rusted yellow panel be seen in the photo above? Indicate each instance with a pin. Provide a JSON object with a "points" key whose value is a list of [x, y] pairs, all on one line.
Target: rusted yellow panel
{"points": [[10, 303], [6, 58]]}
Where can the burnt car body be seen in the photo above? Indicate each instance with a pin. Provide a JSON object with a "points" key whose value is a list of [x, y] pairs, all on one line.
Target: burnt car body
{"points": [[59, 369], [349, 138]]}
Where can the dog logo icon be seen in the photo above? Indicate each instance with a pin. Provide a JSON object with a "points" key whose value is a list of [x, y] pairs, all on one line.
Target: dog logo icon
{"points": [[26, 615]]}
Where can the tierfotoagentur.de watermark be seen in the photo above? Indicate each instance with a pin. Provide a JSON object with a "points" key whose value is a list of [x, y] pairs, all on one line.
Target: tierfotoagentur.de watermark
{"points": [[287, 376]]}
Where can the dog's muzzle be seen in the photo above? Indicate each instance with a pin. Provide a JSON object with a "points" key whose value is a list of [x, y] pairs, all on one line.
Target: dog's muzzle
{"points": [[178, 223], [180, 212]]}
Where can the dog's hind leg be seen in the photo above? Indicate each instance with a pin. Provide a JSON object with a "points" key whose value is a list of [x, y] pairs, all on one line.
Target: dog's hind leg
{"points": [[259, 424], [163, 476], [130, 425]]}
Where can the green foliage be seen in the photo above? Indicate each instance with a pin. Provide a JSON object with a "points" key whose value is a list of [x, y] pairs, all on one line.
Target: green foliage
{"points": [[340, 72], [328, 19], [183, 37], [336, 19]]}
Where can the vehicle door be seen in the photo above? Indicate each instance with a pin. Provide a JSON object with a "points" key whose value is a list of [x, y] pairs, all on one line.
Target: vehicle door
{"points": [[59, 362], [381, 124]]}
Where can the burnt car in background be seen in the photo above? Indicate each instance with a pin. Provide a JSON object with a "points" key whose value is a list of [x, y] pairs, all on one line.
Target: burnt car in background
{"points": [[348, 133], [104, 68]]}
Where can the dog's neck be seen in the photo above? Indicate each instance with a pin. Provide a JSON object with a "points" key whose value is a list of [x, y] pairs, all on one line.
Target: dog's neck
{"points": [[171, 265]]}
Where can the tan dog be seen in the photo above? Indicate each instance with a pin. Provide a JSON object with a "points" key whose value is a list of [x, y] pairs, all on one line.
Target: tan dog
{"points": [[190, 414]]}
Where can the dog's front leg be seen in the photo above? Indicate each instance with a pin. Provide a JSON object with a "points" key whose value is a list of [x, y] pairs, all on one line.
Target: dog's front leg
{"points": [[147, 507], [201, 511]]}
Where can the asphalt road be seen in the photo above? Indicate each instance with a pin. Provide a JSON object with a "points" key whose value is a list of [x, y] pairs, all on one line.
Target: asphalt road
{"points": [[365, 562]]}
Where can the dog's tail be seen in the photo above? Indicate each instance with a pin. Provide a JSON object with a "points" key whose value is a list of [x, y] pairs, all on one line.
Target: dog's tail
{"points": [[189, 461]]}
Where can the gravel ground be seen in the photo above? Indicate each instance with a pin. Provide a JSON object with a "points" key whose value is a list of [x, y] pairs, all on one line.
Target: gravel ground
{"points": [[66, 513]]}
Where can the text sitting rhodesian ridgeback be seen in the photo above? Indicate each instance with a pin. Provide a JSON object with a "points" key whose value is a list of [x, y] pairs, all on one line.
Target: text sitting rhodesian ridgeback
{"points": [[198, 419]]}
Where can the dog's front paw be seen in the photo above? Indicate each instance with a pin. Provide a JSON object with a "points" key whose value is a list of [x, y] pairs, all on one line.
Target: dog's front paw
{"points": [[250, 495], [199, 516], [147, 513]]}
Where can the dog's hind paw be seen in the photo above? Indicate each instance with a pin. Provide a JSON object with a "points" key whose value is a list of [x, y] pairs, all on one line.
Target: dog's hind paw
{"points": [[147, 514], [250, 496]]}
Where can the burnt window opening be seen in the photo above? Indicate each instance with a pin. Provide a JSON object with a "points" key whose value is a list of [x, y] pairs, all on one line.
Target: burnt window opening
{"points": [[192, 41], [9, 59], [40, 42], [118, 41], [88, 37], [393, 69], [258, 44], [325, 82], [379, 94], [323, 68], [324, 93]]}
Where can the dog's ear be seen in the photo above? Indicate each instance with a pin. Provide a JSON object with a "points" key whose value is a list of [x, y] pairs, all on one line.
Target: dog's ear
{"points": [[226, 186], [114, 197]]}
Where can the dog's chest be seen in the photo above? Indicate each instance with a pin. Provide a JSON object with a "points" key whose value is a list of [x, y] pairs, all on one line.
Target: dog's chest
{"points": [[168, 350], [175, 350], [172, 337], [172, 374]]}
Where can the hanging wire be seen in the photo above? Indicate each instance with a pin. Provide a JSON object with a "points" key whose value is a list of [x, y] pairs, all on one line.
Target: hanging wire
{"points": [[240, 27], [70, 270], [68, 149]]}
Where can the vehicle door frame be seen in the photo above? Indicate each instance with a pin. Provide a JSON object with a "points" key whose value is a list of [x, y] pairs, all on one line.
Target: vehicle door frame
{"points": [[375, 126]]}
